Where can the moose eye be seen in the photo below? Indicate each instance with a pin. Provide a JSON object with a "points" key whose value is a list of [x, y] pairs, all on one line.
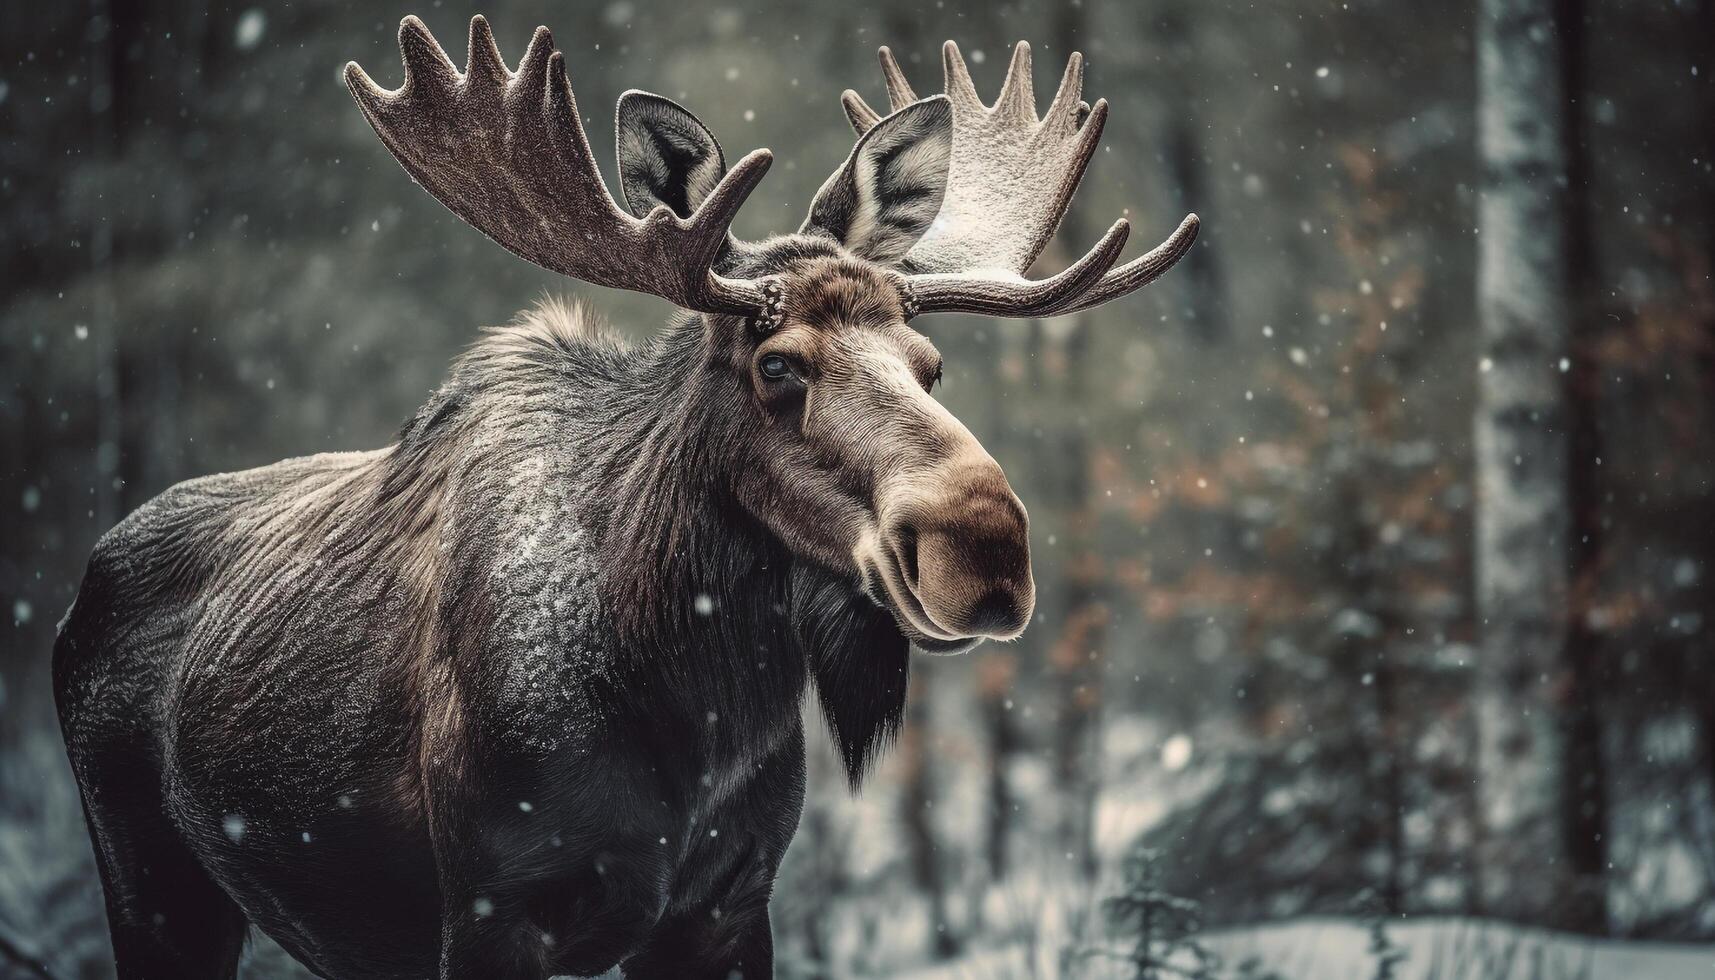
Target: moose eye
{"points": [[775, 368]]}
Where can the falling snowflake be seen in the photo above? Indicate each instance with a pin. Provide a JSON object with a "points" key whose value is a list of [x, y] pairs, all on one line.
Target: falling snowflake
{"points": [[252, 24]]}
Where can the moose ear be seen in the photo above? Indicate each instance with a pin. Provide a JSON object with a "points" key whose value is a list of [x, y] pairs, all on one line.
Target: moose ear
{"points": [[666, 155], [883, 198]]}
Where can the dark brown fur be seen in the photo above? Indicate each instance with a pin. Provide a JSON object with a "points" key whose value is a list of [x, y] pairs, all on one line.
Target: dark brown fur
{"points": [[487, 670], [519, 695]]}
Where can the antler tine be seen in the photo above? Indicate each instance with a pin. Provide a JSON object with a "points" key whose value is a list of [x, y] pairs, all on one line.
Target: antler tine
{"points": [[1001, 293], [1017, 101], [426, 64], [530, 83], [1090, 281], [899, 94], [484, 62], [506, 151], [899, 91], [858, 112], [1144, 269], [711, 223], [958, 85], [1068, 108]]}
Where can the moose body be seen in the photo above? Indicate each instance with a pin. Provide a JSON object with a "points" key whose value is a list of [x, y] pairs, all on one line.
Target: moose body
{"points": [[519, 695], [362, 746]]}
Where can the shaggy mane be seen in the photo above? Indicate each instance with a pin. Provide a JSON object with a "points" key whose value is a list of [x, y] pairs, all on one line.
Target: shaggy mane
{"points": [[555, 324], [563, 322]]}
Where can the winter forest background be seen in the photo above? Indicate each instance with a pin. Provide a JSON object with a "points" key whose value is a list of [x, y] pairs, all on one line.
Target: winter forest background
{"points": [[1374, 545]]}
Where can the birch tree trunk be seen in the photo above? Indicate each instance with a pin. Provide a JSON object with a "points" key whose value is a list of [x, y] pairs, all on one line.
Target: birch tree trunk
{"points": [[1522, 442]]}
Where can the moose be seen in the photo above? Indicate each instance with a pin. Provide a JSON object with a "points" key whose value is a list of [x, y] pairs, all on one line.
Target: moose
{"points": [[520, 694]]}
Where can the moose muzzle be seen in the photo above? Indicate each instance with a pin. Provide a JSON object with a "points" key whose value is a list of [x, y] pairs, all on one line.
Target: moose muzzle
{"points": [[955, 556]]}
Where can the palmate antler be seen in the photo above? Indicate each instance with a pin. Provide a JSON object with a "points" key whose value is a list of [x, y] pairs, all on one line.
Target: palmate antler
{"points": [[507, 153], [1012, 177]]}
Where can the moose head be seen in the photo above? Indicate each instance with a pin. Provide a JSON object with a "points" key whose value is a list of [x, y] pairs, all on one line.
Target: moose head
{"points": [[845, 455]]}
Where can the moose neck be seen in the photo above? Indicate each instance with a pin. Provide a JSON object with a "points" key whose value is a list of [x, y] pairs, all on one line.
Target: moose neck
{"points": [[729, 620], [710, 625], [697, 592]]}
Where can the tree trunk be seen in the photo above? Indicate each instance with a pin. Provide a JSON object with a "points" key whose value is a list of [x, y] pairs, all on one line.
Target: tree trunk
{"points": [[994, 681], [1078, 635], [105, 64], [1524, 549], [1585, 808], [1700, 26], [1203, 280]]}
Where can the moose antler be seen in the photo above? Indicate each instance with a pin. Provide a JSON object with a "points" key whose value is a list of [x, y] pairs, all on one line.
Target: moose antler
{"points": [[1011, 179], [506, 152], [999, 292]]}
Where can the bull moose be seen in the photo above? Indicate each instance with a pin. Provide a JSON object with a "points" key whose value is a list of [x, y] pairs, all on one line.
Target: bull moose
{"points": [[520, 694]]}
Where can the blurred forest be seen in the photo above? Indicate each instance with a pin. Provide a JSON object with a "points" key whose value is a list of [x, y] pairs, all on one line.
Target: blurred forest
{"points": [[1373, 545]]}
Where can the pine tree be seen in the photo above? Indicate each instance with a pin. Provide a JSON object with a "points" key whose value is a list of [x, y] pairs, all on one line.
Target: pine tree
{"points": [[1163, 927]]}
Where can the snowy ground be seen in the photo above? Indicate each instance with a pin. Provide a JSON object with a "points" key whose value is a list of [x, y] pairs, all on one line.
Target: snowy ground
{"points": [[1437, 949], [50, 907]]}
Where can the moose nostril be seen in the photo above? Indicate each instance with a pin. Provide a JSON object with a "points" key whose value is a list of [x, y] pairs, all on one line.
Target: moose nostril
{"points": [[996, 612]]}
